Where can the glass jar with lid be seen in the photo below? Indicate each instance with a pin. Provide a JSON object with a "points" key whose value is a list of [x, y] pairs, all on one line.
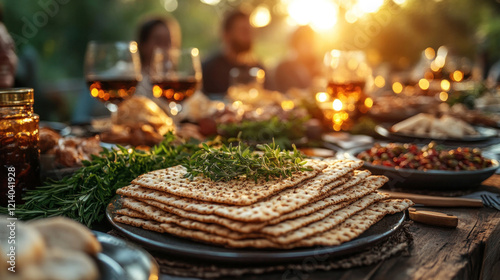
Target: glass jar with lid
{"points": [[19, 152]]}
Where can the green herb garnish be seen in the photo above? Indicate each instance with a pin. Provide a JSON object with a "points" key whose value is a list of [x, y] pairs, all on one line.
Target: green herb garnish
{"points": [[283, 132], [85, 195], [239, 162]]}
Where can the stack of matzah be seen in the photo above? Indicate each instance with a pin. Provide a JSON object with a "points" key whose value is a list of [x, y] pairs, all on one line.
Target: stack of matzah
{"points": [[329, 205]]}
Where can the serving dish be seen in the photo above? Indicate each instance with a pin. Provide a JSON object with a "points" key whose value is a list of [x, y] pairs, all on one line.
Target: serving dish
{"points": [[189, 249]]}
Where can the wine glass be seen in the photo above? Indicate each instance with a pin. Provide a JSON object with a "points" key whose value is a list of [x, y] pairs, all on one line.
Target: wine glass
{"points": [[112, 71], [347, 74], [175, 75]]}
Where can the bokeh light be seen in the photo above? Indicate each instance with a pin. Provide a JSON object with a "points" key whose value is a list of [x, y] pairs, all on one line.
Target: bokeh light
{"points": [[321, 96], [337, 105], [423, 84], [430, 53], [379, 81], [457, 76], [287, 105], [368, 102], [170, 5], [443, 96], [397, 87], [445, 85], [210, 2], [260, 16]]}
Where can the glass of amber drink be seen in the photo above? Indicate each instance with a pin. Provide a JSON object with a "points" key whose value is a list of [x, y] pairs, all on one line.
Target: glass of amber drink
{"points": [[112, 71], [175, 75], [347, 75], [19, 152]]}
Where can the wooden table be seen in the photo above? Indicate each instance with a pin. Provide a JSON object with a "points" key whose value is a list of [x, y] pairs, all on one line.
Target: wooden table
{"points": [[471, 251]]}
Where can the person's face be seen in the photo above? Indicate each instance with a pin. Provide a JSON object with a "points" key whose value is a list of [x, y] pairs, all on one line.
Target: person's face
{"points": [[306, 49], [240, 35], [159, 38], [8, 58]]}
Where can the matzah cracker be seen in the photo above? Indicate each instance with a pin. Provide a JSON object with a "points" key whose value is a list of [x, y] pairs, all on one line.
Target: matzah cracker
{"points": [[296, 224], [244, 227], [272, 230], [137, 222], [152, 213], [318, 204], [300, 227], [356, 225], [236, 192], [265, 210], [131, 213], [344, 232], [324, 224]]}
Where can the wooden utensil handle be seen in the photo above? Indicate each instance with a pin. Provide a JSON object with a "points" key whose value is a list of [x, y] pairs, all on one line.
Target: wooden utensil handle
{"points": [[438, 201], [433, 218]]}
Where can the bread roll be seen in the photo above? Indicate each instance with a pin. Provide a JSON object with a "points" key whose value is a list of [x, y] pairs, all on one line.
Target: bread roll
{"points": [[139, 110], [63, 265], [28, 243], [411, 123], [64, 233]]}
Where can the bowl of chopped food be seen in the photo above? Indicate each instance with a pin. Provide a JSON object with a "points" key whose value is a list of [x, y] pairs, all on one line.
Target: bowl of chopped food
{"points": [[427, 167]]}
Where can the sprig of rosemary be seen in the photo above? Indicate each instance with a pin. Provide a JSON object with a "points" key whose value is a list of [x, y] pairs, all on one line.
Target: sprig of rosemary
{"points": [[85, 195], [240, 162]]}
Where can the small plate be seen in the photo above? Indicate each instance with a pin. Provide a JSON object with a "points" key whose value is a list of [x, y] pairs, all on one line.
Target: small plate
{"points": [[192, 250], [430, 179], [317, 152], [59, 127], [485, 133], [120, 260]]}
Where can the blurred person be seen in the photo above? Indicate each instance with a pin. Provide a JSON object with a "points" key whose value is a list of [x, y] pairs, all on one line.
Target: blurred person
{"points": [[302, 64], [493, 78], [236, 52], [21, 71], [8, 57], [157, 32]]}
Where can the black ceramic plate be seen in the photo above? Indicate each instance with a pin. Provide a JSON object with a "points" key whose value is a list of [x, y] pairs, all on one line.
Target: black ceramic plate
{"points": [[485, 133], [431, 179], [193, 250], [120, 260]]}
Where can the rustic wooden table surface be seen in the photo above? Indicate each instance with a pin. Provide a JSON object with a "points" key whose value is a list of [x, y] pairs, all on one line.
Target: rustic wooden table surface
{"points": [[471, 251]]}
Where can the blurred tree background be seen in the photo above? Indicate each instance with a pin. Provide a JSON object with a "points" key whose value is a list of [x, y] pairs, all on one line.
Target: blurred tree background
{"points": [[394, 31]]}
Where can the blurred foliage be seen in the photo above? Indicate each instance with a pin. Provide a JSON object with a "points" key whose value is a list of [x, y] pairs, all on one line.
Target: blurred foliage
{"points": [[60, 29], [60, 32]]}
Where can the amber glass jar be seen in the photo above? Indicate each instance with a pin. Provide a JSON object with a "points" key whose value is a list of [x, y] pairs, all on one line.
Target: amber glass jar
{"points": [[19, 152]]}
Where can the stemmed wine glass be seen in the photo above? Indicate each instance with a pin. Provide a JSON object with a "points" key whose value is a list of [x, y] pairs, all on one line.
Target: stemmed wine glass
{"points": [[347, 75], [112, 71], [175, 75]]}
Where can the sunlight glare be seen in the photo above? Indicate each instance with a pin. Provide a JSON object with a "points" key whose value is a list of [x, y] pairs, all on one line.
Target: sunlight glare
{"points": [[370, 6], [320, 14]]}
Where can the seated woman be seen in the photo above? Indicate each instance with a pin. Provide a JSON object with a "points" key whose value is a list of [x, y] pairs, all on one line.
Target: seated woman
{"points": [[155, 33]]}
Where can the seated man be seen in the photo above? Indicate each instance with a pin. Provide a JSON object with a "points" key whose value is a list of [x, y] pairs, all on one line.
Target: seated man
{"points": [[237, 39]]}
